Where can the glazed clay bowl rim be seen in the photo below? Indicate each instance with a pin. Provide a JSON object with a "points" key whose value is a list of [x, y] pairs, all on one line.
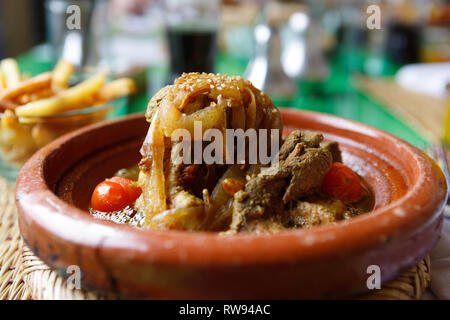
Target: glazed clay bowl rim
{"points": [[419, 207]]}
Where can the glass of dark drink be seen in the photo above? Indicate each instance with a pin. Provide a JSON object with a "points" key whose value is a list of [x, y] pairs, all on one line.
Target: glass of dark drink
{"points": [[191, 31], [403, 42]]}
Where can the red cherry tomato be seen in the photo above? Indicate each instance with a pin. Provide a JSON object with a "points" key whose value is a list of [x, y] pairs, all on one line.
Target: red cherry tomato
{"points": [[133, 191], [114, 194], [342, 183]]}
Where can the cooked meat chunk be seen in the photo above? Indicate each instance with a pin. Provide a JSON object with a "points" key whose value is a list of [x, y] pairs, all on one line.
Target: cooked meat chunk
{"points": [[260, 202], [308, 139], [311, 139], [306, 170], [297, 175], [294, 138], [333, 147], [262, 196]]}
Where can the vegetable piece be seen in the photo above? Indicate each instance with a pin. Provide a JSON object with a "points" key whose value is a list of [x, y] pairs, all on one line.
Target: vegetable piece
{"points": [[169, 115], [114, 194], [130, 187], [251, 111], [109, 196], [238, 117], [191, 218], [219, 196], [220, 207], [153, 181], [231, 186], [129, 173], [342, 183], [209, 117]]}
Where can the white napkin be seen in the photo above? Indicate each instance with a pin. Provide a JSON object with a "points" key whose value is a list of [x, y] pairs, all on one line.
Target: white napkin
{"points": [[437, 77], [440, 266]]}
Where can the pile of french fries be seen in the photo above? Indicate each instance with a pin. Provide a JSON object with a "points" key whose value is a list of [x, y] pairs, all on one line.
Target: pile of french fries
{"points": [[31, 107]]}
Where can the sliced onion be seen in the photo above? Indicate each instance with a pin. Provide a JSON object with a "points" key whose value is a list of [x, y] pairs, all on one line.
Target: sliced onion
{"points": [[154, 194], [184, 96], [218, 196], [251, 111], [210, 117], [169, 117], [238, 117]]}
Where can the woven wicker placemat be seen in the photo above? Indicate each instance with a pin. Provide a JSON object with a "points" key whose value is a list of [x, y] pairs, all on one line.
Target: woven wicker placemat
{"points": [[12, 285], [423, 112], [24, 276]]}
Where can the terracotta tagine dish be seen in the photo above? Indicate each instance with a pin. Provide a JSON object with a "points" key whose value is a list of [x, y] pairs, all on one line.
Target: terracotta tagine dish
{"points": [[53, 195]]}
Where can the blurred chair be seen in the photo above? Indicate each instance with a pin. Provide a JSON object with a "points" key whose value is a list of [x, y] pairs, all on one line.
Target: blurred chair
{"points": [[22, 24], [2, 42]]}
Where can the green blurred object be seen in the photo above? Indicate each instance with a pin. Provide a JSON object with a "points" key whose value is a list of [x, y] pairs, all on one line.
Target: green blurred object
{"points": [[336, 95]]}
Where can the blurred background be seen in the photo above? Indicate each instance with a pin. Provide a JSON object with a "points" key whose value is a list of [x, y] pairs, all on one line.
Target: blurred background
{"points": [[321, 55]]}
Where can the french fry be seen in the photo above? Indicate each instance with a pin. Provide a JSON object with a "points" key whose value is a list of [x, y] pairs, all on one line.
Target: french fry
{"points": [[7, 105], [41, 94], [28, 105], [42, 134], [23, 99], [16, 139], [38, 95], [117, 88], [2, 81], [11, 72], [27, 87], [61, 75], [66, 100], [25, 76]]}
